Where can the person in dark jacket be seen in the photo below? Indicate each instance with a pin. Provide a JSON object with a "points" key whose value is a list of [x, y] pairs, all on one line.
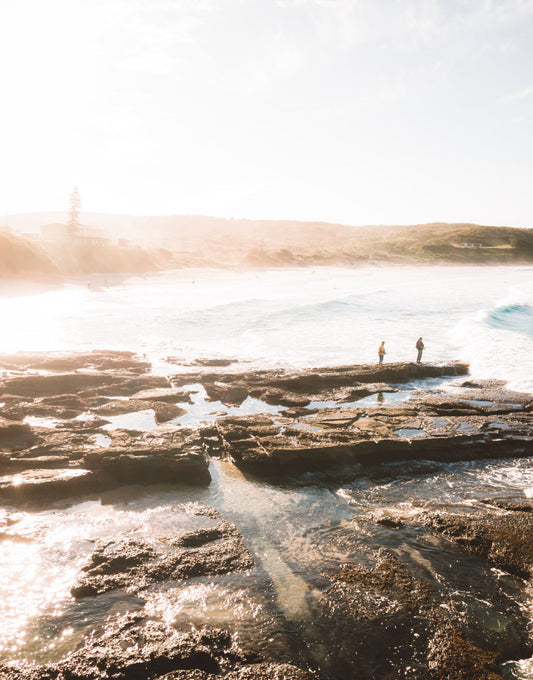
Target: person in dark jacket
{"points": [[420, 348]]}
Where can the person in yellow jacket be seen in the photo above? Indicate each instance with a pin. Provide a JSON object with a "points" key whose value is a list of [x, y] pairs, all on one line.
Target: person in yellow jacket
{"points": [[381, 352]]}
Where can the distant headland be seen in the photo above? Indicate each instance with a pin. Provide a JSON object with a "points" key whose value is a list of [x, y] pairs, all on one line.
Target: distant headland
{"points": [[40, 246]]}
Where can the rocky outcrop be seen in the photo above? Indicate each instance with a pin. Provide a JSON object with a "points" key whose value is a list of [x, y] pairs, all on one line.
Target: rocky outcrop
{"points": [[81, 466], [132, 564], [163, 410], [15, 435], [319, 384], [417, 593]]}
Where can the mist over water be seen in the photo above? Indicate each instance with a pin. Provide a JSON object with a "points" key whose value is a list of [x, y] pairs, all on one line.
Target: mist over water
{"points": [[290, 317]]}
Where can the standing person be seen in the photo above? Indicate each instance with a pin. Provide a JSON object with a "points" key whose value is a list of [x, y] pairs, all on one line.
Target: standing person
{"points": [[381, 352], [420, 348]]}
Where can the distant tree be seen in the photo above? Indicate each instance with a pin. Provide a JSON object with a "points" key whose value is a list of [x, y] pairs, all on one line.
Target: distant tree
{"points": [[74, 211]]}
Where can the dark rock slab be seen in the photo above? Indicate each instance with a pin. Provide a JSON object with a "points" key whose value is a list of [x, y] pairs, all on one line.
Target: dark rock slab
{"points": [[325, 438], [41, 385], [232, 395], [164, 458], [169, 395], [318, 384], [46, 485]]}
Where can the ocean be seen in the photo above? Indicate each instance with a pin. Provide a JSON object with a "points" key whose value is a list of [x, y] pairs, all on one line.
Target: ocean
{"points": [[302, 317]]}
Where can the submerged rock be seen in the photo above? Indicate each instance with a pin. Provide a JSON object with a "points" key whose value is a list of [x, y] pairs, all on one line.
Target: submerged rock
{"points": [[401, 612], [505, 539]]}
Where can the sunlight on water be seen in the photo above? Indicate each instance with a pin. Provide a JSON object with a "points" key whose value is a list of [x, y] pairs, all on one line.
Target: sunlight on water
{"points": [[303, 317]]}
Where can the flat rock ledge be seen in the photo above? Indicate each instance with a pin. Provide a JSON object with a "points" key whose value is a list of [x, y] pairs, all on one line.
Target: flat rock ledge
{"points": [[299, 388], [468, 423], [54, 443]]}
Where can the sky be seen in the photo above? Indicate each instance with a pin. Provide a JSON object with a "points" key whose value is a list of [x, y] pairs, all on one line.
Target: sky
{"points": [[351, 111]]}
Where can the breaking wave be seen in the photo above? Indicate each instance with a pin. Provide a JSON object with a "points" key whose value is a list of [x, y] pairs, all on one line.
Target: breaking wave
{"points": [[515, 317]]}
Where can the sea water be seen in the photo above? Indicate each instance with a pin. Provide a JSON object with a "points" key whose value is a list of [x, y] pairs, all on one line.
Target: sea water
{"points": [[302, 317]]}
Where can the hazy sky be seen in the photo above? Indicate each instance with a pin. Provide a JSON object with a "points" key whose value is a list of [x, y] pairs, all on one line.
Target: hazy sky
{"points": [[355, 111]]}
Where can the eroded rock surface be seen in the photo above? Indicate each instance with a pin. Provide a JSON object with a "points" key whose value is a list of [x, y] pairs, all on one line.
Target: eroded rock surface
{"points": [[284, 387], [132, 564], [134, 646], [431, 426]]}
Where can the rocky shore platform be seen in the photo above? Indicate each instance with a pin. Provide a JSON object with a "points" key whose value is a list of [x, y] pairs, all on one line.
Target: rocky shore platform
{"points": [[73, 427], [58, 439]]}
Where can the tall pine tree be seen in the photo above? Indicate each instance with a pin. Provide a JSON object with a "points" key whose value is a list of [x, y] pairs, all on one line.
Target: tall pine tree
{"points": [[74, 212]]}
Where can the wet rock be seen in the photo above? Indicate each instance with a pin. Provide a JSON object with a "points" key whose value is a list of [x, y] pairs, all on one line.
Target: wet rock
{"points": [[320, 383], [504, 539], [78, 458], [450, 655], [136, 647], [269, 671], [163, 411], [55, 384], [46, 485], [233, 395], [484, 384], [69, 401], [138, 466], [525, 505], [350, 394], [275, 445], [277, 397], [132, 565], [129, 386], [169, 395], [384, 613], [214, 362]]}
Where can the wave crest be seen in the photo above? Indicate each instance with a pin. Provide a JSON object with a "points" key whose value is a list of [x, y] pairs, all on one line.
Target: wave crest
{"points": [[514, 317]]}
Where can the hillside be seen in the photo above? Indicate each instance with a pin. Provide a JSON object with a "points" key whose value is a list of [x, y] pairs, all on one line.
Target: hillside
{"points": [[202, 241], [23, 258]]}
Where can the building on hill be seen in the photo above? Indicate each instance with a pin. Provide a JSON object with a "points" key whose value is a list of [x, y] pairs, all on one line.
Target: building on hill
{"points": [[59, 232]]}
